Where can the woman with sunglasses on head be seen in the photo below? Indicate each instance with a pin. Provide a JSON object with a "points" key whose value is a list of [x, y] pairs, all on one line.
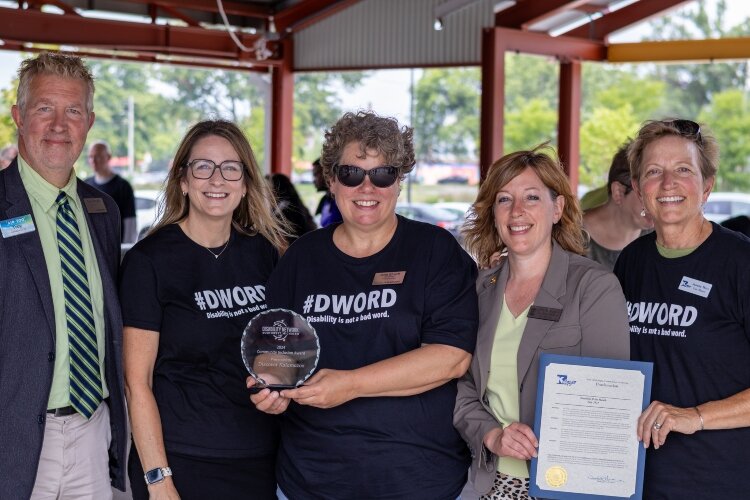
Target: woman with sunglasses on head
{"points": [[394, 305], [543, 296], [187, 292], [687, 285]]}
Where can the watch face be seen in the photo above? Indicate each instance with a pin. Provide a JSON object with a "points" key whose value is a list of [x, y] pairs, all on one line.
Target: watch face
{"points": [[154, 476]]}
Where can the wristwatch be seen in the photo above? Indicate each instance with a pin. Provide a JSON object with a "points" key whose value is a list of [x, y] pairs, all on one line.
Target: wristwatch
{"points": [[157, 475]]}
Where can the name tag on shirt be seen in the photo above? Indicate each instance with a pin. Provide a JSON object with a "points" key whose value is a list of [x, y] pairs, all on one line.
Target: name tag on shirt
{"points": [[390, 278], [545, 313], [694, 286], [95, 205], [17, 225]]}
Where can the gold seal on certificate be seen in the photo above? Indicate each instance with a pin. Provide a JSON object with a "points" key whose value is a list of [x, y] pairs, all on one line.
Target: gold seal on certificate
{"points": [[556, 476], [280, 349]]}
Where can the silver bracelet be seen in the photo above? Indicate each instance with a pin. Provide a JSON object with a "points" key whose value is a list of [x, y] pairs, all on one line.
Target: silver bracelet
{"points": [[700, 416]]}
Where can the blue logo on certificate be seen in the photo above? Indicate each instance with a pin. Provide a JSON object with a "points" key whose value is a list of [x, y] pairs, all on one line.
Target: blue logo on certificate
{"points": [[563, 380], [16, 226]]}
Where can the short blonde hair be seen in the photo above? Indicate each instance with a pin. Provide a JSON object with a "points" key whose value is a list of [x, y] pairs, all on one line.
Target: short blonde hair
{"points": [[54, 64], [481, 236], [653, 130]]}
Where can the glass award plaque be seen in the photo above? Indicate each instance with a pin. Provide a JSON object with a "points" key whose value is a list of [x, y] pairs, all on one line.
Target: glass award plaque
{"points": [[280, 349]]}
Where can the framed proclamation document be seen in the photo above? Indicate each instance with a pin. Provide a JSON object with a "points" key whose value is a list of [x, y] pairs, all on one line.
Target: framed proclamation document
{"points": [[587, 411]]}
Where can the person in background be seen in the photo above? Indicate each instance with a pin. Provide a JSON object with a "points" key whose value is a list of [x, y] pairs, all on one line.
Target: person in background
{"points": [[393, 303], [327, 209], [7, 155], [291, 207], [741, 224], [63, 432], [687, 286], [188, 290], [107, 181], [542, 297], [617, 222]]}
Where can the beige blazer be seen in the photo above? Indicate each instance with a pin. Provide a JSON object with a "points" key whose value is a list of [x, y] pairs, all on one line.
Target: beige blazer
{"points": [[592, 322]]}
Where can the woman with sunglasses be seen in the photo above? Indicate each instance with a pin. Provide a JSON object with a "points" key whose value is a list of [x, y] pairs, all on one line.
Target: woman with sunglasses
{"points": [[187, 291], [394, 305], [687, 286]]}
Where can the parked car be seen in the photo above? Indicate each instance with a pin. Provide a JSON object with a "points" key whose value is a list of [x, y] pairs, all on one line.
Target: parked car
{"points": [[722, 206], [146, 210], [454, 179], [425, 212], [459, 208]]}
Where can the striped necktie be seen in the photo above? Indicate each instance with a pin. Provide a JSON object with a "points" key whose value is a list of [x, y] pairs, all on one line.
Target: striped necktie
{"points": [[85, 378]]}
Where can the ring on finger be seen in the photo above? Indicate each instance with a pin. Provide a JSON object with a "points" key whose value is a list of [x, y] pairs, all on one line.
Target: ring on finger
{"points": [[657, 426]]}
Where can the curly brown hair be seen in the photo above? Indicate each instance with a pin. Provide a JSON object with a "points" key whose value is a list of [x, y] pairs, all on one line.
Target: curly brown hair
{"points": [[255, 213], [481, 236], [372, 132]]}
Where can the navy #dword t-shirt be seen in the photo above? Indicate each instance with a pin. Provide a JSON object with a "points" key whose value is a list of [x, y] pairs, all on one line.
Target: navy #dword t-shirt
{"points": [[690, 316], [418, 290], [200, 306]]}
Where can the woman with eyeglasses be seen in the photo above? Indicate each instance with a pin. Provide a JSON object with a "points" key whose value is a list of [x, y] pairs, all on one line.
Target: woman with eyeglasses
{"points": [[394, 305], [687, 287], [187, 292], [542, 297]]}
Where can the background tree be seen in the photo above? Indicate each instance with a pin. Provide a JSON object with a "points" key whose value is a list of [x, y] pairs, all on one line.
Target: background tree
{"points": [[446, 120], [7, 126], [729, 117]]}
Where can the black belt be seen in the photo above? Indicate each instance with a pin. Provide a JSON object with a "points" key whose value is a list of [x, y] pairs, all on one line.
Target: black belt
{"points": [[62, 412]]}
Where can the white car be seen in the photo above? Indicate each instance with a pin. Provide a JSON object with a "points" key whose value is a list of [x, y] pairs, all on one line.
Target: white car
{"points": [[146, 209], [722, 206], [459, 208]]}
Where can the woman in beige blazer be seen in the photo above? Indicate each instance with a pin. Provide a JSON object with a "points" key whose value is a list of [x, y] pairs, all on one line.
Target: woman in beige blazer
{"points": [[543, 296]]}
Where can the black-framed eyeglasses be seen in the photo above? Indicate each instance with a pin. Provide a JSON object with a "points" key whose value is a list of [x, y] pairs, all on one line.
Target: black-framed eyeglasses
{"points": [[204, 169], [687, 128], [352, 176]]}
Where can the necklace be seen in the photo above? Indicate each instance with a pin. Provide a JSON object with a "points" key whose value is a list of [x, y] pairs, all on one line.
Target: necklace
{"points": [[217, 255]]}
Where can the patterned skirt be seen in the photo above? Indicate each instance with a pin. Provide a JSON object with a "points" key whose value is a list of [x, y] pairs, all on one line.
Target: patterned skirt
{"points": [[508, 488]]}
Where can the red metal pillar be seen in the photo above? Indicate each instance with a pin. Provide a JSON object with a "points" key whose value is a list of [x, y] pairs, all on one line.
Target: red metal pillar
{"points": [[569, 122], [493, 100], [282, 111]]}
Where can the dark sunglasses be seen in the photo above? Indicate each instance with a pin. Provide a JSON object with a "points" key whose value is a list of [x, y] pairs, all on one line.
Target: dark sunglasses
{"points": [[687, 128], [352, 176]]}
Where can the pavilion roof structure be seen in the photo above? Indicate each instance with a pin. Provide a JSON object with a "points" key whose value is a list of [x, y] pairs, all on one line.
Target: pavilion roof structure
{"points": [[282, 37]]}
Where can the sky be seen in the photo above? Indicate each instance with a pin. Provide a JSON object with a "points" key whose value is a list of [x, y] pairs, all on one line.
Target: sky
{"points": [[387, 90]]}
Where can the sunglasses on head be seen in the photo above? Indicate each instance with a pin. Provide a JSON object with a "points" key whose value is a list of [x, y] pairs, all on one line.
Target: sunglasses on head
{"points": [[687, 128], [352, 176]]}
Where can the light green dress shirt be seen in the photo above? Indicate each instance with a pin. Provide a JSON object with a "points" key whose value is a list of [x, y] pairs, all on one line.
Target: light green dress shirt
{"points": [[42, 195], [502, 383]]}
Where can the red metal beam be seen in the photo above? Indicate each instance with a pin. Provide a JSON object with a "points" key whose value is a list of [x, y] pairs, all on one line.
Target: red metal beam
{"points": [[282, 111], [179, 15], [622, 18], [563, 47], [522, 14], [235, 8], [57, 3], [304, 14], [493, 100], [106, 34], [569, 120]]}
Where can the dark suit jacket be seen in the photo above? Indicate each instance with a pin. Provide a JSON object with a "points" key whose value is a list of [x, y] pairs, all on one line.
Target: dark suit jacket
{"points": [[593, 323], [27, 337]]}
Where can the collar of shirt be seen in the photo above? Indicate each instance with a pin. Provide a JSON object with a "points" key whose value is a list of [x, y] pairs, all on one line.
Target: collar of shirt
{"points": [[42, 191]]}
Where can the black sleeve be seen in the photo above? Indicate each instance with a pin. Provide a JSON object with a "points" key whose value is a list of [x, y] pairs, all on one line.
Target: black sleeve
{"points": [[451, 309], [128, 200], [139, 295], [280, 288]]}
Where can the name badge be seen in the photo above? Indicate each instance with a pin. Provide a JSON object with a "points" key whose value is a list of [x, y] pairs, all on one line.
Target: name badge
{"points": [[389, 278], [17, 225], [545, 313], [694, 286], [95, 205]]}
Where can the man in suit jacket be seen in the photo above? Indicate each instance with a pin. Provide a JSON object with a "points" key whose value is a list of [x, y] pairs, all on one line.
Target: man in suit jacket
{"points": [[50, 447]]}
